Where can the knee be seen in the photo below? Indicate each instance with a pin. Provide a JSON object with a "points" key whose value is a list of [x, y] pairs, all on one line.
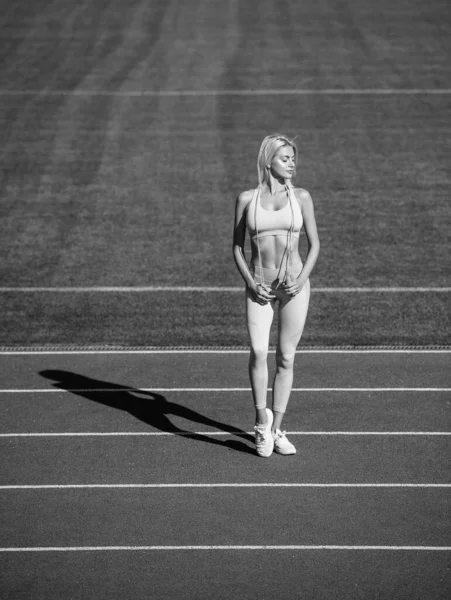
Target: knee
{"points": [[259, 355], [285, 360]]}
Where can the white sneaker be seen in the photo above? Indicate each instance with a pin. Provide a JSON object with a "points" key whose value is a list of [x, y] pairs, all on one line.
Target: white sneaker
{"points": [[281, 444], [264, 440]]}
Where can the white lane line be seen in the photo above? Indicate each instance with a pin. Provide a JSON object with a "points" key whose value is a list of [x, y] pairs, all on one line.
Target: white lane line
{"points": [[139, 289], [217, 433], [237, 389], [188, 350], [248, 92], [167, 548], [223, 485]]}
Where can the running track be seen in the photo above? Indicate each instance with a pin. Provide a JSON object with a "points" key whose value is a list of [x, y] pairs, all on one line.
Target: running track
{"points": [[112, 492]]}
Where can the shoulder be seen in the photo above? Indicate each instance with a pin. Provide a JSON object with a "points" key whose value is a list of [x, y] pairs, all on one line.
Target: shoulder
{"points": [[303, 197], [244, 199]]}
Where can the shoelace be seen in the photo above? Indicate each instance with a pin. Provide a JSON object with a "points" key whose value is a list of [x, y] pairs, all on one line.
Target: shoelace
{"points": [[280, 435], [260, 435]]}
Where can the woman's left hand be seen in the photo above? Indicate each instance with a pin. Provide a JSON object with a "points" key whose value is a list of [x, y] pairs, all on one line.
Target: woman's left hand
{"points": [[292, 286]]}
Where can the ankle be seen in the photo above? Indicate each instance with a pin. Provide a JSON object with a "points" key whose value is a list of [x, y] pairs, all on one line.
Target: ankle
{"points": [[277, 422], [261, 417]]}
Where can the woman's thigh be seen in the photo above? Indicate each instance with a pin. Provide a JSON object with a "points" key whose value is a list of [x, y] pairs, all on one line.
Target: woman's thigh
{"points": [[292, 315], [258, 319]]}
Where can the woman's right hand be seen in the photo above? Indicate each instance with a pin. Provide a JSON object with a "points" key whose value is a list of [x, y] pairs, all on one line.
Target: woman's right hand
{"points": [[261, 293]]}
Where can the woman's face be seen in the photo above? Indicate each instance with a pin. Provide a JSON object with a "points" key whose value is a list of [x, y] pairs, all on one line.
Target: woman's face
{"points": [[283, 163]]}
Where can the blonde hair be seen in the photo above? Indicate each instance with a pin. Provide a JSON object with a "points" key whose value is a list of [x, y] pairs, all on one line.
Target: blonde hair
{"points": [[268, 150]]}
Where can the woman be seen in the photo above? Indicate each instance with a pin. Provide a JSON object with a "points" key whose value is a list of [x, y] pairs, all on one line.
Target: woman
{"points": [[273, 214]]}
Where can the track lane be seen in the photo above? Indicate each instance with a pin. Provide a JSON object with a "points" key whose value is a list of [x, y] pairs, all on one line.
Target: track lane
{"points": [[200, 459], [276, 574], [181, 370], [127, 412], [226, 516]]}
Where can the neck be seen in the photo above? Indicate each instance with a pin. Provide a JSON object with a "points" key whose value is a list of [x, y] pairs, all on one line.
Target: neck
{"points": [[276, 185]]}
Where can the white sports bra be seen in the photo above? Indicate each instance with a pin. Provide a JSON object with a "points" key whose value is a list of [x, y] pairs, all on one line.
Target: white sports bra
{"points": [[261, 222]]}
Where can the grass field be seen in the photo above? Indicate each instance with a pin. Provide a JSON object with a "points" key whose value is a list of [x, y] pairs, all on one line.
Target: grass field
{"points": [[128, 131]]}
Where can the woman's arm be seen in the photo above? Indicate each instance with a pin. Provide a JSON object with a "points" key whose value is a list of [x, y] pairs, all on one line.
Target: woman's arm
{"points": [[239, 235], [308, 215], [311, 231]]}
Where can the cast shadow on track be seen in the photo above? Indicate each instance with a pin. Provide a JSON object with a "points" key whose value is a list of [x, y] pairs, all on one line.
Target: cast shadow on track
{"points": [[149, 407]]}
